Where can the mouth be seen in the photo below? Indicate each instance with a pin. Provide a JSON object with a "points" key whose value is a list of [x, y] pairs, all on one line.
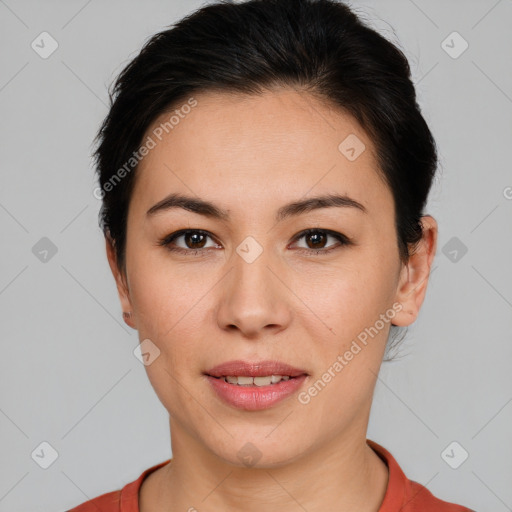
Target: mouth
{"points": [[259, 373], [246, 380], [255, 385]]}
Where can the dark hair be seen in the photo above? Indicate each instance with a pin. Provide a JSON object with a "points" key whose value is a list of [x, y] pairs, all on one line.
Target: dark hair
{"points": [[317, 46]]}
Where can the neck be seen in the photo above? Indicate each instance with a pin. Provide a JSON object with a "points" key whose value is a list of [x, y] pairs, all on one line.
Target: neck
{"points": [[344, 474]]}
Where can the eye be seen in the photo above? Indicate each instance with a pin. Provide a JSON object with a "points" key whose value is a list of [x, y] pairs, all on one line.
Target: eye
{"points": [[318, 238], [194, 240]]}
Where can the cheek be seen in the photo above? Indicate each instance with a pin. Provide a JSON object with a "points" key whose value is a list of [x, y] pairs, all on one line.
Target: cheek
{"points": [[163, 293], [351, 304], [170, 302], [349, 356], [346, 297]]}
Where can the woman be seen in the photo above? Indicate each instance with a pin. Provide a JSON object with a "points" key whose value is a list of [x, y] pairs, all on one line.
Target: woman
{"points": [[264, 167]]}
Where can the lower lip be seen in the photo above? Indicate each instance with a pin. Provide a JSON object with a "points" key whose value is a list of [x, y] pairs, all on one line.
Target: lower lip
{"points": [[255, 398]]}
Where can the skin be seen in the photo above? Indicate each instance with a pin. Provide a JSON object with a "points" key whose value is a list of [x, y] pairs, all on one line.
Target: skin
{"points": [[250, 155]]}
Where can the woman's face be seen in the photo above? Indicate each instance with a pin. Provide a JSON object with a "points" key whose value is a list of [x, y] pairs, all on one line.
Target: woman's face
{"points": [[250, 288]]}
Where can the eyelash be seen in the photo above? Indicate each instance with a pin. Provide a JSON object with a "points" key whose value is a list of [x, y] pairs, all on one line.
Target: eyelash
{"points": [[169, 239]]}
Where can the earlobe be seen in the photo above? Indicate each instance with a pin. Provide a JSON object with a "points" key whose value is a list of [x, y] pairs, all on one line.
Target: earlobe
{"points": [[414, 275], [121, 283]]}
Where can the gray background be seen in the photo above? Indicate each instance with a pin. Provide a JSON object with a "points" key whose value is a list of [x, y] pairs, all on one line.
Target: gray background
{"points": [[68, 374]]}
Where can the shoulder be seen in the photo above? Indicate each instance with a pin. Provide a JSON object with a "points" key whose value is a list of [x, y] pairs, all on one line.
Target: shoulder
{"points": [[108, 502], [407, 495], [122, 500], [418, 497]]}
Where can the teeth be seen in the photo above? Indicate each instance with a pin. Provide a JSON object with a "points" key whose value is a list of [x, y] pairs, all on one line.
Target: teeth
{"points": [[255, 381]]}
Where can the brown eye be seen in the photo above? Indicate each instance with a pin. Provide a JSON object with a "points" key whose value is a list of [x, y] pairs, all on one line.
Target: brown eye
{"points": [[192, 240], [316, 240]]}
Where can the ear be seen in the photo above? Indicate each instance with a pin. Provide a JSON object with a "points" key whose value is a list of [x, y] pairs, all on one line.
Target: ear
{"points": [[414, 275], [121, 282]]}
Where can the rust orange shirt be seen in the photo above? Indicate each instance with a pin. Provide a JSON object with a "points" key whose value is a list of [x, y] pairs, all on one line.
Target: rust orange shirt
{"points": [[402, 494]]}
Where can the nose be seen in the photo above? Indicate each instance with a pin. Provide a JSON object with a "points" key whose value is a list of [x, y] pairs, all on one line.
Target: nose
{"points": [[254, 301]]}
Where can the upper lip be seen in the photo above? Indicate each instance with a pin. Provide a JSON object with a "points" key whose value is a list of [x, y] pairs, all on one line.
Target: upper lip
{"points": [[254, 369]]}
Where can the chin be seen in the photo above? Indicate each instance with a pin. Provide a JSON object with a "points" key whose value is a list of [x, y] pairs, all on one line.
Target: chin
{"points": [[258, 451]]}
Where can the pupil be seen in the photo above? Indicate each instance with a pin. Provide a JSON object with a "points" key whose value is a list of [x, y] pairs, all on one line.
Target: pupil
{"points": [[316, 236], [191, 236]]}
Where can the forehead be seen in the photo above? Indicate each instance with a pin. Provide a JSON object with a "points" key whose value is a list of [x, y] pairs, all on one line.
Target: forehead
{"points": [[282, 119], [258, 147]]}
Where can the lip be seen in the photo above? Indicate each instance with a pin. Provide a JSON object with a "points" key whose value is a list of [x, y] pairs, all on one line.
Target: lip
{"points": [[254, 369], [255, 398]]}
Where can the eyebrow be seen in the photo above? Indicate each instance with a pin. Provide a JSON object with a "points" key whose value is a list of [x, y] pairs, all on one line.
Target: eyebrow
{"points": [[208, 209]]}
